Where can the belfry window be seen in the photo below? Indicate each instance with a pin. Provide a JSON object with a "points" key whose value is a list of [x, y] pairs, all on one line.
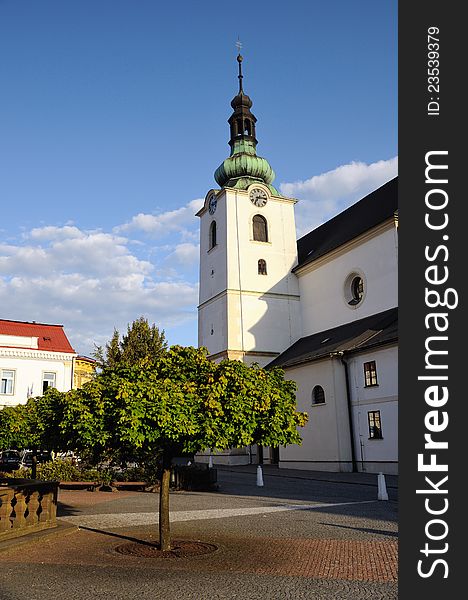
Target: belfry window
{"points": [[212, 243], [260, 229], [247, 127], [262, 268]]}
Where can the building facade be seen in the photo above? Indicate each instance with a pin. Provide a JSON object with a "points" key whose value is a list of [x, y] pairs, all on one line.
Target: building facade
{"points": [[323, 307], [33, 357]]}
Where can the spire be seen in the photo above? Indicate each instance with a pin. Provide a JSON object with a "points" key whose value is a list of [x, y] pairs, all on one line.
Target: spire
{"points": [[243, 167], [239, 60]]}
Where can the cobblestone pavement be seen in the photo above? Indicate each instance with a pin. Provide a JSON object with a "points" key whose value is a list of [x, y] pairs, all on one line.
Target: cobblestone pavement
{"points": [[343, 551]]}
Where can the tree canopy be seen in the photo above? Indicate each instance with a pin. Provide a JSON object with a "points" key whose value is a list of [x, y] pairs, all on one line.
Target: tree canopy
{"points": [[180, 403], [142, 342]]}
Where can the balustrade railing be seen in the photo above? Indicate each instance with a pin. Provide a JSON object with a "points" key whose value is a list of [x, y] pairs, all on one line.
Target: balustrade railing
{"points": [[26, 506]]}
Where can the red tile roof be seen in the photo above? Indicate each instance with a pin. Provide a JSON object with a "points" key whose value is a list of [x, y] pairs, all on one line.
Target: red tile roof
{"points": [[50, 337]]}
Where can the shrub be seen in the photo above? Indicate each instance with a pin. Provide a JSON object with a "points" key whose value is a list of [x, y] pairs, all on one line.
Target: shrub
{"points": [[58, 470]]}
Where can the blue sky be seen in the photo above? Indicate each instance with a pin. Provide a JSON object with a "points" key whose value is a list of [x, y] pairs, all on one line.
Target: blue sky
{"points": [[113, 118]]}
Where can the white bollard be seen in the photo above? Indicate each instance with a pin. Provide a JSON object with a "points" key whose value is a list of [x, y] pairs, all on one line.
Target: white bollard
{"points": [[382, 488], [259, 476], [210, 462]]}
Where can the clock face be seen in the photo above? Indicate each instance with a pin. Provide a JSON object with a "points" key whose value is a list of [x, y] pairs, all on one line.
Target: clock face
{"points": [[258, 197], [212, 204]]}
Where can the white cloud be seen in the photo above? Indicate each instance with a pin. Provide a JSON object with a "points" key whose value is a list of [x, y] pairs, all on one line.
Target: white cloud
{"points": [[91, 282], [178, 220], [185, 254], [323, 196]]}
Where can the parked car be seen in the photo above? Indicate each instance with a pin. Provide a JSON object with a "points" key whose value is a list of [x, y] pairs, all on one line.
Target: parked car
{"points": [[27, 456], [9, 460]]}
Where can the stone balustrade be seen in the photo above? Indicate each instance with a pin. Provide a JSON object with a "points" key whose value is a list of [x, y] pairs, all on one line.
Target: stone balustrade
{"points": [[26, 506]]}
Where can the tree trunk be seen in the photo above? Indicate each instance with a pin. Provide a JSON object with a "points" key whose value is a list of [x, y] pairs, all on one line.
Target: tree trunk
{"points": [[164, 525]]}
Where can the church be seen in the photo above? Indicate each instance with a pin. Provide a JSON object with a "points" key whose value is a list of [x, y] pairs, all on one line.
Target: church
{"points": [[322, 307]]}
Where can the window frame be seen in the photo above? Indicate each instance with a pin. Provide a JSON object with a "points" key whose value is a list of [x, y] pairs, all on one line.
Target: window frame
{"points": [[213, 239], [44, 373], [262, 219], [374, 415], [13, 380], [318, 387], [262, 266], [370, 374]]}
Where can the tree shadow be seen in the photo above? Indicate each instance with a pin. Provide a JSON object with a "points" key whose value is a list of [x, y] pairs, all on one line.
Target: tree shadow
{"points": [[128, 538], [364, 529]]}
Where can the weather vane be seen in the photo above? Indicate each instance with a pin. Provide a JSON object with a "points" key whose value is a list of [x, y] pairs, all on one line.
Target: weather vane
{"points": [[238, 45]]}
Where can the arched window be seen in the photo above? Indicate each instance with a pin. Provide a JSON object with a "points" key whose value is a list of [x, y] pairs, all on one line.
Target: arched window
{"points": [[260, 229], [262, 270], [247, 127], [212, 234], [318, 395]]}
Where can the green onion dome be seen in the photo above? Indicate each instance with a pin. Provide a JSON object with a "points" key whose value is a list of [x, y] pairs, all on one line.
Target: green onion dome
{"points": [[243, 167]]}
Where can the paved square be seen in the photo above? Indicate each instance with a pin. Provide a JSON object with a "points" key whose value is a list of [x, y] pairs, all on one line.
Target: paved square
{"points": [[297, 537]]}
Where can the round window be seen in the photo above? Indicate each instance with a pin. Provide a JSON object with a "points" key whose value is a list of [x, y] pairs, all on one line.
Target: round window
{"points": [[354, 289]]}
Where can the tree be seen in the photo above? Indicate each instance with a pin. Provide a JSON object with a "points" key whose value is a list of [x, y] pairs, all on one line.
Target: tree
{"points": [[142, 342], [181, 405]]}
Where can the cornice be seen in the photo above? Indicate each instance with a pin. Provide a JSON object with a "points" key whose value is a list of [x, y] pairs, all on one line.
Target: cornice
{"points": [[35, 354]]}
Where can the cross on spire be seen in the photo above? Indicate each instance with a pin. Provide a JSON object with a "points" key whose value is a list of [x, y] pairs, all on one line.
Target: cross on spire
{"points": [[239, 60]]}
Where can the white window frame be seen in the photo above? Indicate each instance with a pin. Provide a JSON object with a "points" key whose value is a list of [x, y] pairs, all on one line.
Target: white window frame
{"points": [[44, 373], [13, 380]]}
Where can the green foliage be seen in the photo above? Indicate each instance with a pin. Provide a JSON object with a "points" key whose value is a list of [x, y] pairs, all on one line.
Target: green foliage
{"points": [[180, 404], [59, 470], [142, 344]]}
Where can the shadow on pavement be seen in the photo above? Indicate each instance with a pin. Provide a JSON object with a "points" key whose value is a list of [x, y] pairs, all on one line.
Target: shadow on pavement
{"points": [[119, 535], [364, 529]]}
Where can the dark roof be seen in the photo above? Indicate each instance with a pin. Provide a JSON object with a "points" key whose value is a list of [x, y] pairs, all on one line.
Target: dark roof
{"points": [[356, 336], [375, 208]]}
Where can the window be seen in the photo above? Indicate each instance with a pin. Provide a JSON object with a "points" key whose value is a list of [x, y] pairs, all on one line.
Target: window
{"points": [[262, 269], [370, 374], [354, 289], [7, 382], [318, 395], [48, 380], [357, 291], [260, 229], [375, 426], [212, 235]]}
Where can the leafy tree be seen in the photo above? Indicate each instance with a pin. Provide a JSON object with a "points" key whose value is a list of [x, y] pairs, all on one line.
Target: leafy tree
{"points": [[178, 405], [142, 342], [14, 429], [182, 405]]}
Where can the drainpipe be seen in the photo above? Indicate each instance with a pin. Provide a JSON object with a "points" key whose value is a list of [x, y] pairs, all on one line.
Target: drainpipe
{"points": [[350, 408]]}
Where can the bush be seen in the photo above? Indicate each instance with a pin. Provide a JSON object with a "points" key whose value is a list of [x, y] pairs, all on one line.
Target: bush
{"points": [[21, 473], [58, 470]]}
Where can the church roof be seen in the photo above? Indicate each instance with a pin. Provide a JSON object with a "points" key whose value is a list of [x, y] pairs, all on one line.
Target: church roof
{"points": [[373, 209], [49, 337], [356, 336]]}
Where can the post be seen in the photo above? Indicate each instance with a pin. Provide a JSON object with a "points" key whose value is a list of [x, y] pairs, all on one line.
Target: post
{"points": [[382, 488], [259, 476]]}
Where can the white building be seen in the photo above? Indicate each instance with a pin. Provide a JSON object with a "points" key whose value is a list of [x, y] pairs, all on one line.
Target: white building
{"points": [[33, 357], [322, 307]]}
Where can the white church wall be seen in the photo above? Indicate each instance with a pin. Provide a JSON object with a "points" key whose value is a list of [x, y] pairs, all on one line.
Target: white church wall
{"points": [[326, 436], [322, 284], [375, 455]]}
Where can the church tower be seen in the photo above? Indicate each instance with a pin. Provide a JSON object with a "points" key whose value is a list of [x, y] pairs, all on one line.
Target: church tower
{"points": [[249, 299]]}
